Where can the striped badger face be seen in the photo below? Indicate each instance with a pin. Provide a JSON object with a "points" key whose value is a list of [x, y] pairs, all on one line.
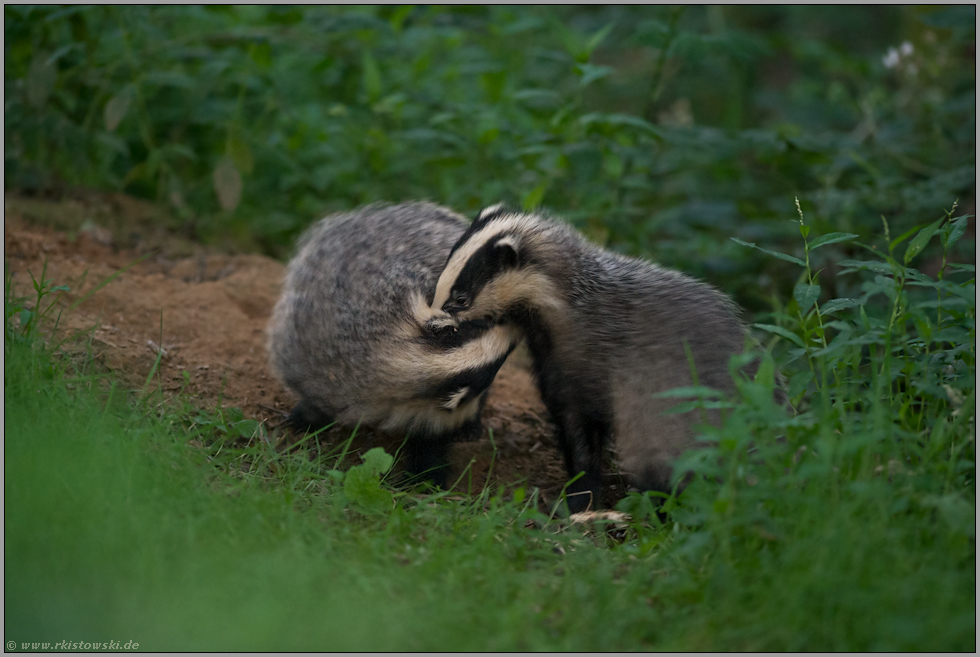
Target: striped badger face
{"points": [[465, 363], [458, 360], [484, 277]]}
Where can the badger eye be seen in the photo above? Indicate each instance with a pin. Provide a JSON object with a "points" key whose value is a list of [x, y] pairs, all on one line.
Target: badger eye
{"points": [[461, 299]]}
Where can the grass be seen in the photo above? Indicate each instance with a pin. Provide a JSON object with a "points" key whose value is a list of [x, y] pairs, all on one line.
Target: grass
{"points": [[119, 530], [849, 525]]}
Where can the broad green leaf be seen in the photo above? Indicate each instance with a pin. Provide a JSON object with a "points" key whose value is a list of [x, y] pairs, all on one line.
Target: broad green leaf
{"points": [[967, 291], [831, 238], [247, 428], [538, 98], [182, 151], [227, 184], [533, 198], [597, 38], [956, 511], [957, 228], [776, 254], [835, 305], [766, 374], [604, 118], [901, 238], [372, 76], [138, 171], [799, 382], [399, 15], [780, 331], [41, 78], [488, 129], [240, 153], [261, 54], [170, 79], [874, 265], [759, 393], [378, 461], [687, 406], [613, 165], [806, 295], [571, 40], [364, 492], [690, 391], [493, 83], [919, 241], [153, 161], [362, 484], [522, 25], [590, 72], [116, 109]]}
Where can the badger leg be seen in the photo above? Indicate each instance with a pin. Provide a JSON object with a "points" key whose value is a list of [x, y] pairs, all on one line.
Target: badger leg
{"points": [[583, 428], [428, 453], [658, 476], [428, 458], [305, 417], [582, 439]]}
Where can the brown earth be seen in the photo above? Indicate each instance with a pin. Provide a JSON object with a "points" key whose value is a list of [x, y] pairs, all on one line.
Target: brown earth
{"points": [[207, 311]]}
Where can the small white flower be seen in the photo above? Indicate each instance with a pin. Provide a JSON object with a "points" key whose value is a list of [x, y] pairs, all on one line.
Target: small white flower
{"points": [[894, 56], [891, 59]]}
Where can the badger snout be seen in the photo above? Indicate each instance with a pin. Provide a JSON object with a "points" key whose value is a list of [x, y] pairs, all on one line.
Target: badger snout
{"points": [[441, 325]]}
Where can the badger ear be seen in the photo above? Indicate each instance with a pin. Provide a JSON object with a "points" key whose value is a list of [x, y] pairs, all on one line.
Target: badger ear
{"points": [[486, 215], [505, 252], [492, 212]]}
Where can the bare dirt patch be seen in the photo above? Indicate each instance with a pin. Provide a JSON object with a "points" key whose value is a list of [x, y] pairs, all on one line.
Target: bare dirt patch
{"points": [[207, 311]]}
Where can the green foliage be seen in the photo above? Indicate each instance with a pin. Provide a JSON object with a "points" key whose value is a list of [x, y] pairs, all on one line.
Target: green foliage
{"points": [[683, 134], [825, 508], [22, 316], [658, 131], [362, 485]]}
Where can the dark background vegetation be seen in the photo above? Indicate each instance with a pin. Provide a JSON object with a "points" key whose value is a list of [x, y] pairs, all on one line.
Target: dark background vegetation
{"points": [[667, 132], [659, 131]]}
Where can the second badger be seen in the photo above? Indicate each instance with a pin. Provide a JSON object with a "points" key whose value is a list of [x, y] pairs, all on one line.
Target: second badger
{"points": [[606, 333], [347, 334]]}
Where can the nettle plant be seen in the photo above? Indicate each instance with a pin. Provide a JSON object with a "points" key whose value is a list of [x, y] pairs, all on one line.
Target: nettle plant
{"points": [[657, 131], [884, 390]]}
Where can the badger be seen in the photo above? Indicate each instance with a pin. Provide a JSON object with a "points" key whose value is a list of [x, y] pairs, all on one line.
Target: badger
{"points": [[606, 333], [350, 337]]}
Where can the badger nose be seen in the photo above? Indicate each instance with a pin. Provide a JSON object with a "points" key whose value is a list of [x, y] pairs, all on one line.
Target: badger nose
{"points": [[440, 325]]}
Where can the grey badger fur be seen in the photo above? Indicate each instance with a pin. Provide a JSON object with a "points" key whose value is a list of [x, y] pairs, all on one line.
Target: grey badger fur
{"points": [[348, 332], [606, 333]]}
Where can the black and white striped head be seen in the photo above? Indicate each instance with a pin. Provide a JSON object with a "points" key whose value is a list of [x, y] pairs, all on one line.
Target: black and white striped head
{"points": [[489, 270]]}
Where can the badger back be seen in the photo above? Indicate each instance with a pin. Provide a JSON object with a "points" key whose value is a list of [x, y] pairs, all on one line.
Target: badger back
{"points": [[607, 333], [343, 324]]}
